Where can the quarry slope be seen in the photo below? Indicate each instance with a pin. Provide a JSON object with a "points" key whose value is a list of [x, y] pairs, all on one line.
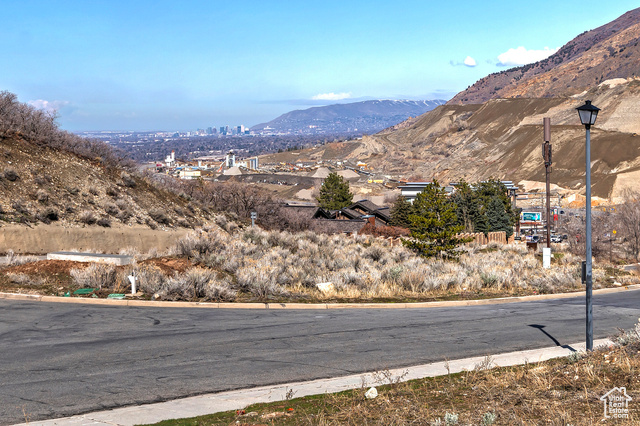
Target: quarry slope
{"points": [[608, 52]]}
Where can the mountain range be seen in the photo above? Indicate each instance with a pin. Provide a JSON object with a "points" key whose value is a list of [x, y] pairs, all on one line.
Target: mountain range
{"points": [[494, 128], [357, 117]]}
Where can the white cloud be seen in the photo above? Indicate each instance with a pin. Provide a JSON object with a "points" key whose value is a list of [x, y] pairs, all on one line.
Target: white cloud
{"points": [[331, 96], [49, 106], [470, 62], [522, 56]]}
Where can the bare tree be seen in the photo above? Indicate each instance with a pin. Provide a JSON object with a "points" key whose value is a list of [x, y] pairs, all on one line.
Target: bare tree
{"points": [[628, 215], [601, 226]]}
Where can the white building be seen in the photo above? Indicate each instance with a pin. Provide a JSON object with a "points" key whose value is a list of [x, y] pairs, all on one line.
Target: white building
{"points": [[170, 161]]}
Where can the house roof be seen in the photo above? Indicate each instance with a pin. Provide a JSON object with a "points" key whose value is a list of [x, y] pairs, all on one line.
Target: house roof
{"points": [[420, 186], [372, 209], [350, 213], [366, 205], [322, 213]]}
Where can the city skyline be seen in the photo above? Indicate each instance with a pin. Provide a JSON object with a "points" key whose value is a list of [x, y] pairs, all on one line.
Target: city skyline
{"points": [[115, 65]]}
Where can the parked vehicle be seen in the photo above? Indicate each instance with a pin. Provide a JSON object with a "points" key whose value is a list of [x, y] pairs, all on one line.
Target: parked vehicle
{"points": [[533, 238]]}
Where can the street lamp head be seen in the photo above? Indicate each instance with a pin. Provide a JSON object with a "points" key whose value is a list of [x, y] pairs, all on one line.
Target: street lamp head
{"points": [[588, 114]]}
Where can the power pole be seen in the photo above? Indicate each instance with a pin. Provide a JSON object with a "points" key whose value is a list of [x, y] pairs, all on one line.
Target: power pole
{"points": [[546, 154]]}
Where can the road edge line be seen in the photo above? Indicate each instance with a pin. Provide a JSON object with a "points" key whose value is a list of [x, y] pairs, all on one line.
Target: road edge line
{"points": [[280, 306]]}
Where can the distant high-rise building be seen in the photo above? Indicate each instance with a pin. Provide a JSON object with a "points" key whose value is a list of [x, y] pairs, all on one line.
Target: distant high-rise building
{"points": [[209, 130], [240, 129]]}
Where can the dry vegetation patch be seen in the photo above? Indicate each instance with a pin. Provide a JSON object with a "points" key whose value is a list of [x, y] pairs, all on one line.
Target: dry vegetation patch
{"points": [[230, 263], [168, 265], [44, 277], [50, 267], [563, 391]]}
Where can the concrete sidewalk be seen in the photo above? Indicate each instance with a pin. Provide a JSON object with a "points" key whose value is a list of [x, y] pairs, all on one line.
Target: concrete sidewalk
{"points": [[233, 400]]}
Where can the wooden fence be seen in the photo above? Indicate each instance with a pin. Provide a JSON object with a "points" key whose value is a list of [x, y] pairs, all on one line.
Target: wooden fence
{"points": [[477, 238], [492, 237]]}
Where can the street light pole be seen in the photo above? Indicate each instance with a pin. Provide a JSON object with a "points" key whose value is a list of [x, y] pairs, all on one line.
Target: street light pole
{"points": [[588, 114], [589, 275], [546, 154]]}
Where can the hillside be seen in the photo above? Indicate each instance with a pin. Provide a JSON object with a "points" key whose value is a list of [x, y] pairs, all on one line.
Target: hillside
{"points": [[360, 117], [50, 176], [608, 52]]}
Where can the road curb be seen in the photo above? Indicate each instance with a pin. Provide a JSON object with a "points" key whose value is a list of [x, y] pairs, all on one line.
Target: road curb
{"points": [[280, 306], [239, 399]]}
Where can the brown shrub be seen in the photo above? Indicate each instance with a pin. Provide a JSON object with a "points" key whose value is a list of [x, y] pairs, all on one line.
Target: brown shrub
{"points": [[127, 180], [48, 215], [159, 216], [111, 209], [88, 217], [384, 231], [97, 275], [42, 196], [104, 222], [11, 175], [112, 191]]}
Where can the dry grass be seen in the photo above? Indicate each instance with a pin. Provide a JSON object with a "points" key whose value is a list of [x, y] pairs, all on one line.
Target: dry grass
{"points": [[197, 283], [96, 275], [13, 259], [273, 264], [251, 264], [24, 279]]}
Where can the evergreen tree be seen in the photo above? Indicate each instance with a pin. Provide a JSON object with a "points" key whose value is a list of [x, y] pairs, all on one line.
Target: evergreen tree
{"points": [[400, 212], [334, 193], [468, 208], [481, 223], [434, 223], [497, 217], [487, 192]]}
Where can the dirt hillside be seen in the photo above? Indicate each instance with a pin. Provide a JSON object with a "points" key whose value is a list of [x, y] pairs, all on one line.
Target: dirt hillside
{"points": [[608, 52], [39, 184]]}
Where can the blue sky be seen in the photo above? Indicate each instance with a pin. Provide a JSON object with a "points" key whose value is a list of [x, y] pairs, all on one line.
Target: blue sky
{"points": [[182, 65]]}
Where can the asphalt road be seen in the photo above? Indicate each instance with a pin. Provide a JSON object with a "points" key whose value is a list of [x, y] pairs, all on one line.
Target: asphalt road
{"points": [[60, 359]]}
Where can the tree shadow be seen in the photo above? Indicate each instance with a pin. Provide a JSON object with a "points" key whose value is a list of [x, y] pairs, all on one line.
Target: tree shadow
{"points": [[541, 328]]}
